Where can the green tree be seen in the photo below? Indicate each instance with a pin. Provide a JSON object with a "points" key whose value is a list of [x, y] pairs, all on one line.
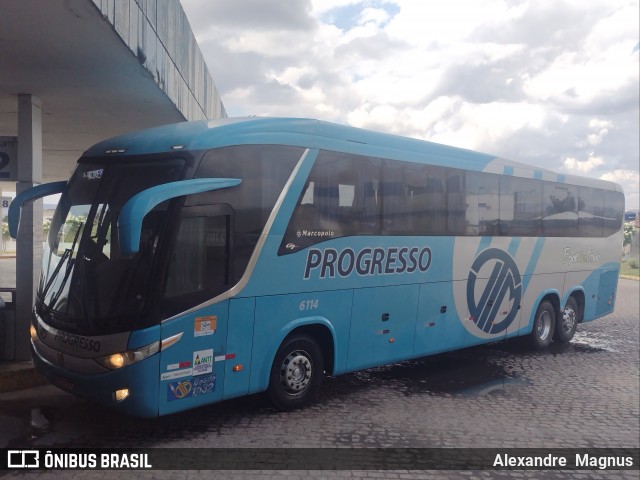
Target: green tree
{"points": [[629, 228], [5, 228], [46, 226], [71, 226]]}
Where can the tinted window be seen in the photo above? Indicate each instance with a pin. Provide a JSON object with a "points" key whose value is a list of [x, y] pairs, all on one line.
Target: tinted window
{"points": [[435, 201], [613, 212], [520, 207], [456, 203], [560, 210], [264, 171], [590, 212], [341, 197], [414, 199], [200, 261], [397, 206], [355, 195], [97, 281], [482, 200]]}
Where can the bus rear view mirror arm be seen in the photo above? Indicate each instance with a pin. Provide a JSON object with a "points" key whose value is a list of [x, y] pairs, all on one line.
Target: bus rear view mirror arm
{"points": [[29, 196], [134, 211]]}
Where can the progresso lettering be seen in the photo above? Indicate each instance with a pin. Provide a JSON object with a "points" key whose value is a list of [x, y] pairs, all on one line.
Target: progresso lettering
{"points": [[78, 342], [332, 263]]}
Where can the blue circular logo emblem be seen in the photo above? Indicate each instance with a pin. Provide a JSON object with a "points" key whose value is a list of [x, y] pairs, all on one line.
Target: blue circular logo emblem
{"points": [[500, 299]]}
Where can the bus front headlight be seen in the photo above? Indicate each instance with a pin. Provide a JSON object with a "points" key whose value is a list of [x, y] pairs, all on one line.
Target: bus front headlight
{"points": [[34, 333], [122, 359]]}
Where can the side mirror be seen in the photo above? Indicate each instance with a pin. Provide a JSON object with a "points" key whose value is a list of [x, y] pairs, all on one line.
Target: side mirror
{"points": [[29, 196], [134, 211]]}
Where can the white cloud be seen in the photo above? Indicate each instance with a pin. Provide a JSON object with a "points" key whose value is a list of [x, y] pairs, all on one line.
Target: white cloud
{"points": [[322, 6], [546, 82], [376, 16], [582, 167]]}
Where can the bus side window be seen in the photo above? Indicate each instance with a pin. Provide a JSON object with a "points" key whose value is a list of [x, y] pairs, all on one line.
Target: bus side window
{"points": [[613, 212], [200, 260], [560, 210], [264, 170], [341, 197], [590, 212], [456, 206], [520, 207], [326, 206], [482, 203], [435, 201], [413, 199]]}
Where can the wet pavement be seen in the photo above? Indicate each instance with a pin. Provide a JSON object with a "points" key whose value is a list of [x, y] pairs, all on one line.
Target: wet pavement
{"points": [[581, 395]]}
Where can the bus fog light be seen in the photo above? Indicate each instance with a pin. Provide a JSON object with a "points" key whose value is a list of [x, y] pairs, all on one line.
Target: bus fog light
{"points": [[120, 395]]}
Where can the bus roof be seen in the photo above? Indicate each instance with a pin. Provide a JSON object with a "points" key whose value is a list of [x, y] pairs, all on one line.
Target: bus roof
{"points": [[311, 133]]}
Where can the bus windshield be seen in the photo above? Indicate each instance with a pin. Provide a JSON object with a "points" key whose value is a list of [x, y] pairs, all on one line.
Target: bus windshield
{"points": [[87, 286]]}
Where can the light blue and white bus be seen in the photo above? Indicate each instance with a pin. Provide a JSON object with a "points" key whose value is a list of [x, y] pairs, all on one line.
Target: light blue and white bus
{"points": [[198, 262]]}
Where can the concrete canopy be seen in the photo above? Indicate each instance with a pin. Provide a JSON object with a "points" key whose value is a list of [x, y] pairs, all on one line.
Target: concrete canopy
{"points": [[90, 83], [77, 72]]}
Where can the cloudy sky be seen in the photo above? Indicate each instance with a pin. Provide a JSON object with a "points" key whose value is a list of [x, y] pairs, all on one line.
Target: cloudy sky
{"points": [[552, 83]]}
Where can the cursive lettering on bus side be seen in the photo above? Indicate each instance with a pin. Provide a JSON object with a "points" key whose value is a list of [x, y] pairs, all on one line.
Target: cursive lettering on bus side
{"points": [[580, 256]]}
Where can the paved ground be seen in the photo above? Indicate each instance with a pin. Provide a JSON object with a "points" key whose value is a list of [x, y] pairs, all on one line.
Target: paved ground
{"points": [[582, 395], [7, 271]]}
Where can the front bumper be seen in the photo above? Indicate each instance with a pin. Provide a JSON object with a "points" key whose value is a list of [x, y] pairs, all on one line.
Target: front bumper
{"points": [[141, 379]]}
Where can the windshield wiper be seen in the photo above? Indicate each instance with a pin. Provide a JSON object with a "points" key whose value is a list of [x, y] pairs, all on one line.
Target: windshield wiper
{"points": [[66, 256]]}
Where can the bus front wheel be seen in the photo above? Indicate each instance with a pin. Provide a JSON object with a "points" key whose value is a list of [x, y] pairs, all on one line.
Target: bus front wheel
{"points": [[296, 373], [543, 325], [568, 321]]}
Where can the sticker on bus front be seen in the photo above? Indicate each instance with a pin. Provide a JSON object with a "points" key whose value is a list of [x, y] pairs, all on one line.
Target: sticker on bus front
{"points": [[203, 326], [203, 362], [192, 387]]}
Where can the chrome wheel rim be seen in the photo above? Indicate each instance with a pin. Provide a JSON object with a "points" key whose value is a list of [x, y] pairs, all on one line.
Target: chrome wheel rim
{"points": [[569, 319], [543, 329], [296, 372]]}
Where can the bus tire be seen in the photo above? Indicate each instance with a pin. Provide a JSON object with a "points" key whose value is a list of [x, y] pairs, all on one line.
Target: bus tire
{"points": [[543, 326], [568, 321], [296, 373]]}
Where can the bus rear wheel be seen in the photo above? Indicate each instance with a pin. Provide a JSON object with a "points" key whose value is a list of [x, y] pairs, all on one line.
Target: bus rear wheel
{"points": [[567, 323], [543, 325], [296, 373]]}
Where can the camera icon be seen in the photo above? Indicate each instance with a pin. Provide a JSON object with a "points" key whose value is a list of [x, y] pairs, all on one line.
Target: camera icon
{"points": [[23, 459]]}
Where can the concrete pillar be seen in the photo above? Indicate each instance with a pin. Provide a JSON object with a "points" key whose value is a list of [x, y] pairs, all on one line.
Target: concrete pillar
{"points": [[29, 242], [3, 212]]}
